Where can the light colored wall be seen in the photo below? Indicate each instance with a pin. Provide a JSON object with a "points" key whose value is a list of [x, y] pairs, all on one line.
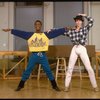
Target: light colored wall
{"points": [[95, 32], [48, 17], [6, 21], [92, 9]]}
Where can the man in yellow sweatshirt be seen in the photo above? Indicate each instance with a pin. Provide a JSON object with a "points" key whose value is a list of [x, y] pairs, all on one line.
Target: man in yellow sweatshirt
{"points": [[38, 42]]}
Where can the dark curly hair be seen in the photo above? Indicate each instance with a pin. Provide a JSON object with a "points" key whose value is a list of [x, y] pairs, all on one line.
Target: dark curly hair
{"points": [[37, 21]]}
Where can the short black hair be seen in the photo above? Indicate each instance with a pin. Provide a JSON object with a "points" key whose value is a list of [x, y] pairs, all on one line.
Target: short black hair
{"points": [[38, 21], [79, 17]]}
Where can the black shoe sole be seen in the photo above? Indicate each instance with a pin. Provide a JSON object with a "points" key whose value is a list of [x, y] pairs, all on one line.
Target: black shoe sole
{"points": [[19, 88], [57, 89]]}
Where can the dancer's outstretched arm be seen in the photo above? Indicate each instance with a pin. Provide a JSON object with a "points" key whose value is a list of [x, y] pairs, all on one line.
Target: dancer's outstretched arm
{"points": [[55, 32], [19, 33]]}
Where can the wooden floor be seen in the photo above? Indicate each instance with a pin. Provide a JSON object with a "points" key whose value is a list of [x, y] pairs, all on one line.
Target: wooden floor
{"points": [[42, 89]]}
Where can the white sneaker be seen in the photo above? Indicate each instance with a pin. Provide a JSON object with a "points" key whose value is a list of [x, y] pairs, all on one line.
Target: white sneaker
{"points": [[96, 89], [66, 89]]}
